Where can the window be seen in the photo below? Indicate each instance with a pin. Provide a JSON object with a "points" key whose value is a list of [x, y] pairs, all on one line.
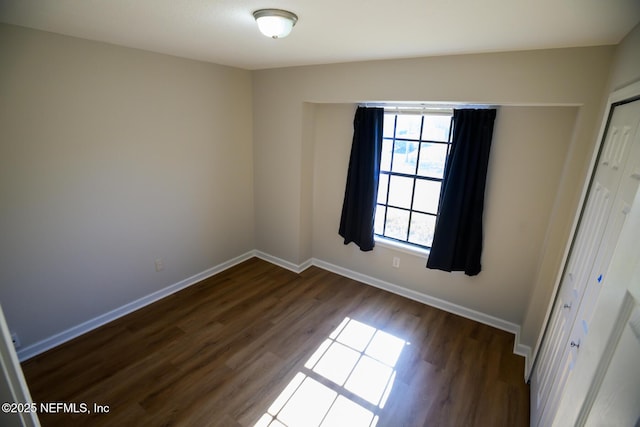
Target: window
{"points": [[415, 148]]}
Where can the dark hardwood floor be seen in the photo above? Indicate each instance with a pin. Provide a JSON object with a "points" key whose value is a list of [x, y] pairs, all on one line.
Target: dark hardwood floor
{"points": [[221, 352]]}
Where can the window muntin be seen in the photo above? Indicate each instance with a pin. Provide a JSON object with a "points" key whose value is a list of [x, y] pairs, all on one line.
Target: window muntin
{"points": [[415, 148]]}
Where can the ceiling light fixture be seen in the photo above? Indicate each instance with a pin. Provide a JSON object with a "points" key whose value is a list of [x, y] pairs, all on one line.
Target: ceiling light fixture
{"points": [[275, 23]]}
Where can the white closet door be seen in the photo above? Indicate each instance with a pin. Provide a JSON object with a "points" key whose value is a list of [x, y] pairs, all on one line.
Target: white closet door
{"points": [[621, 206], [596, 236]]}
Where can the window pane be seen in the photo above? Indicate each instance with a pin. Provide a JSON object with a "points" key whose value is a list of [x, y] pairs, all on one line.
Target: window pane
{"points": [[400, 191], [385, 161], [432, 160], [397, 223], [408, 126], [382, 188], [378, 224], [387, 126], [416, 146], [422, 229], [436, 128], [405, 156], [427, 196]]}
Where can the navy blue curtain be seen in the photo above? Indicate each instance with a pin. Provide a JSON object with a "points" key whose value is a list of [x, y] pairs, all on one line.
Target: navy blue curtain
{"points": [[358, 207], [457, 240]]}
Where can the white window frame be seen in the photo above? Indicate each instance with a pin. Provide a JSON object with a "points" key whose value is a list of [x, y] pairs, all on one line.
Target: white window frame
{"points": [[398, 244]]}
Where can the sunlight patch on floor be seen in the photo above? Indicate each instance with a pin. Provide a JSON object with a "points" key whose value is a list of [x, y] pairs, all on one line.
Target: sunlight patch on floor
{"points": [[345, 382]]}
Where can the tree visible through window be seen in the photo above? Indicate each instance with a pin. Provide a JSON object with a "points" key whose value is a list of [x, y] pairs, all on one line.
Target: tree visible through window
{"points": [[415, 148]]}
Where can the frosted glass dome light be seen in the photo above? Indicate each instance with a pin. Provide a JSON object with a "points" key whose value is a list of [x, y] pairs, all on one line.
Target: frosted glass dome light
{"points": [[275, 23]]}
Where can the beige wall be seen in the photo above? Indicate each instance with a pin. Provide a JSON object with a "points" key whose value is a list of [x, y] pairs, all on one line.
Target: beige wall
{"points": [[110, 158], [562, 77], [626, 65], [527, 155]]}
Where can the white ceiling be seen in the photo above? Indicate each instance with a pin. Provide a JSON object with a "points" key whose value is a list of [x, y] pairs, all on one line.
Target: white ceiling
{"points": [[329, 31]]}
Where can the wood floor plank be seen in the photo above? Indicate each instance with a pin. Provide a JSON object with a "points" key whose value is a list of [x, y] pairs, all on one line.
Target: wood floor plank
{"points": [[219, 353]]}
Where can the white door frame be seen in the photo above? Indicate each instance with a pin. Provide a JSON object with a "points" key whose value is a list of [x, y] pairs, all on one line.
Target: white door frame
{"points": [[13, 382]]}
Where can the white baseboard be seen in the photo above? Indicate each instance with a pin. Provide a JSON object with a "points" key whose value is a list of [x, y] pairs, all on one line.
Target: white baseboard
{"points": [[75, 331], [84, 327], [283, 263]]}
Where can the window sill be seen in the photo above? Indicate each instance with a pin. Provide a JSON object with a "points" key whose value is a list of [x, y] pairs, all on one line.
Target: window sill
{"points": [[408, 249]]}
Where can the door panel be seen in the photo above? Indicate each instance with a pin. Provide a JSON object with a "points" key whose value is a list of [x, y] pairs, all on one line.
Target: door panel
{"points": [[568, 359], [624, 198], [610, 195]]}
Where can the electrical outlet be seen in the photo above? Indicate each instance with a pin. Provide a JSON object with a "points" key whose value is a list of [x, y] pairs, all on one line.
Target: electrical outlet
{"points": [[396, 262], [15, 339], [159, 264]]}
